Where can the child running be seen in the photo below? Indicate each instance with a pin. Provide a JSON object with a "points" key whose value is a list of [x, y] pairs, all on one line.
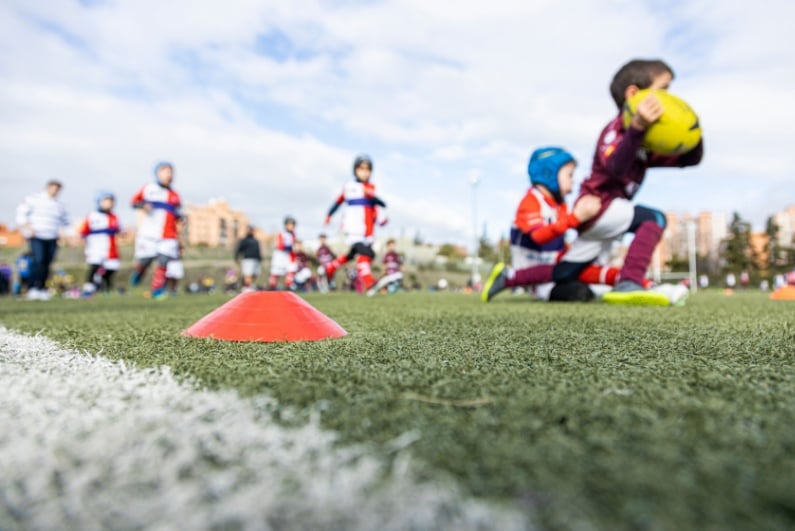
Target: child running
{"points": [[360, 217], [158, 236]]}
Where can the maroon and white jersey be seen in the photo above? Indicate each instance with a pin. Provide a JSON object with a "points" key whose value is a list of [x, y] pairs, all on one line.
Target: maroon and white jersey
{"points": [[301, 260], [620, 163], [324, 255], [392, 262]]}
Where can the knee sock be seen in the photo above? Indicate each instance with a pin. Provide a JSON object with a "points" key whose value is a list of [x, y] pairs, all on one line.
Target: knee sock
{"points": [[640, 251], [159, 278], [364, 272], [594, 274], [332, 266], [530, 276]]}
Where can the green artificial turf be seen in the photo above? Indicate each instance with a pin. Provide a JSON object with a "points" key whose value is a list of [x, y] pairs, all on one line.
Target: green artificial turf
{"points": [[581, 414]]}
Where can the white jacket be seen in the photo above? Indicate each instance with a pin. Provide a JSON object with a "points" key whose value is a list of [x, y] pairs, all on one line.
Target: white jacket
{"points": [[44, 214]]}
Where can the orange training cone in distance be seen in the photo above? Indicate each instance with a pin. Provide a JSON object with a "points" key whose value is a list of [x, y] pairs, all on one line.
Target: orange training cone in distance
{"points": [[265, 316], [784, 293]]}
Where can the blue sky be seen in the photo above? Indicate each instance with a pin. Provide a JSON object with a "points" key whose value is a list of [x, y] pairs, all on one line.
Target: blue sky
{"points": [[265, 103]]}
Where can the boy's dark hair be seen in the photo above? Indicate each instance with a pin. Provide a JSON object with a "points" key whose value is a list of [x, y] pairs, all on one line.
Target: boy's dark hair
{"points": [[638, 72], [390, 241]]}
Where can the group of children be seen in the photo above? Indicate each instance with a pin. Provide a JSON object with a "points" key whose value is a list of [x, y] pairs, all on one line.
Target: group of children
{"points": [[542, 259], [360, 217]]}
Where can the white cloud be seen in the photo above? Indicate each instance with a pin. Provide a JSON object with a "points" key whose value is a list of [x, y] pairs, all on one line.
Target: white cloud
{"points": [[432, 89]]}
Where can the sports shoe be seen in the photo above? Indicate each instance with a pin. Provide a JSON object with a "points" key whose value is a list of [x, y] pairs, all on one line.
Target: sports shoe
{"points": [[322, 280], [33, 294], [495, 282], [677, 293], [159, 294], [631, 293]]}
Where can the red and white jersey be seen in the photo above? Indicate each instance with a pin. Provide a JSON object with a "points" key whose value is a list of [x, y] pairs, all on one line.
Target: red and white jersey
{"points": [[161, 221], [361, 211], [539, 228], [99, 230], [285, 241]]}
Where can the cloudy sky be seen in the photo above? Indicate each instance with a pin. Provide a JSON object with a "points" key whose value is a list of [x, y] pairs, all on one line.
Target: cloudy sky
{"points": [[265, 103]]}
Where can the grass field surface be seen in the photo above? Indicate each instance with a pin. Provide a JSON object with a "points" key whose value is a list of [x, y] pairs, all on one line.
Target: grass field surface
{"points": [[575, 415]]}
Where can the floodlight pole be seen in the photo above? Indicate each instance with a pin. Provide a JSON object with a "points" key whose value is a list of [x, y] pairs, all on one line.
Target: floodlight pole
{"points": [[474, 180]]}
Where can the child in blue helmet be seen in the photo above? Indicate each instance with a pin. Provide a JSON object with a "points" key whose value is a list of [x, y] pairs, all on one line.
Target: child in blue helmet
{"points": [[539, 229], [157, 239], [99, 230]]}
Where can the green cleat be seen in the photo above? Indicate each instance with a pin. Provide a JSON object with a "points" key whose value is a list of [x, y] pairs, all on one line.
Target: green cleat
{"points": [[495, 283], [631, 293]]}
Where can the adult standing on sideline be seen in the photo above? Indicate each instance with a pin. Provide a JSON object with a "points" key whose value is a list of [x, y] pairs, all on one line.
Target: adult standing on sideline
{"points": [[249, 256], [41, 216]]}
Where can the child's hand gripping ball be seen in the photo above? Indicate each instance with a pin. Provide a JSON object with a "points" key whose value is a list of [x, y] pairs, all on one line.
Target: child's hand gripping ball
{"points": [[677, 131]]}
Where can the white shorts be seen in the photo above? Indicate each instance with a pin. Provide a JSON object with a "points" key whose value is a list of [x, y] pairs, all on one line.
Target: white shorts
{"points": [[108, 264], [352, 238], [145, 248], [250, 267], [281, 263], [150, 248], [522, 257], [596, 242], [303, 276], [175, 269]]}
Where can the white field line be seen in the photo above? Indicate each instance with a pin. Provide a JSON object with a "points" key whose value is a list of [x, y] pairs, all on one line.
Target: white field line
{"points": [[87, 443]]}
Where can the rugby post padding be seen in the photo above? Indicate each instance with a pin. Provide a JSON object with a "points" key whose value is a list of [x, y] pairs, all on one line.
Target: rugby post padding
{"points": [[265, 316]]}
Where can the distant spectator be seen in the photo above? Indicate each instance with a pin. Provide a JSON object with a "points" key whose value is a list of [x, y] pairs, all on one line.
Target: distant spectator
{"points": [[745, 279], [6, 274], [24, 266], [283, 259], [324, 256], [41, 216], [248, 255], [731, 281], [230, 281], [393, 273], [703, 281], [175, 271], [303, 280]]}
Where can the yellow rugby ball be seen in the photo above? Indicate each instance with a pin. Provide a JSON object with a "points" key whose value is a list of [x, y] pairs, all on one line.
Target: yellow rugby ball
{"points": [[677, 131]]}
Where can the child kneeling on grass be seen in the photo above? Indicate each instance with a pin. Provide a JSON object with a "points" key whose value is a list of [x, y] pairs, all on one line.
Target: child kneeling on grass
{"points": [[539, 229]]}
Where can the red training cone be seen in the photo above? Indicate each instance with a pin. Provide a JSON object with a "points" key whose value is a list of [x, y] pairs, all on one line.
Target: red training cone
{"points": [[266, 316]]}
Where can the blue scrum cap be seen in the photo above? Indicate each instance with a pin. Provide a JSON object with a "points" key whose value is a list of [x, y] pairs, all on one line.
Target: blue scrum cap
{"points": [[545, 163]]}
